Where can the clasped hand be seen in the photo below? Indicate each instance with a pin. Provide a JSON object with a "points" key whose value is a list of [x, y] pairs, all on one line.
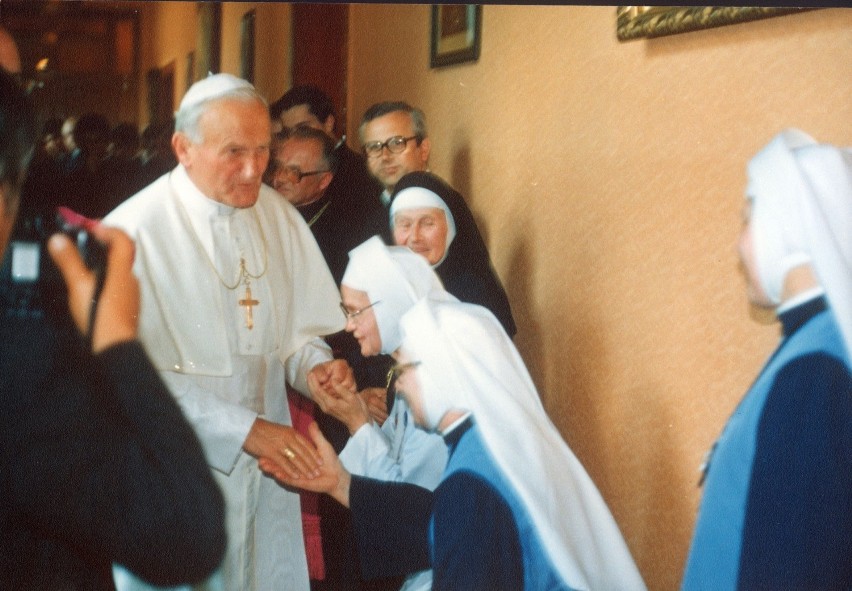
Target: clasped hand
{"points": [[341, 400]]}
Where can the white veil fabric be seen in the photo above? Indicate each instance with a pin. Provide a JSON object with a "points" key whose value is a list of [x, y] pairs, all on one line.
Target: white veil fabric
{"points": [[394, 278], [421, 197], [801, 194], [467, 362]]}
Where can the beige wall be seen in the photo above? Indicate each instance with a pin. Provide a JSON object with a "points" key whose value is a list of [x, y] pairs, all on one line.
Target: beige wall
{"points": [[168, 33], [607, 179]]}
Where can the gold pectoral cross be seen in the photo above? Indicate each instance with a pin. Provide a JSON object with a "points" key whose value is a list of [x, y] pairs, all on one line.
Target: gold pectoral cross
{"points": [[247, 302]]}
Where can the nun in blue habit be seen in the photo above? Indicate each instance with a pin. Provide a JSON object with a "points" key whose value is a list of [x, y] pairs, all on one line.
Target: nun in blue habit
{"points": [[776, 511], [515, 509]]}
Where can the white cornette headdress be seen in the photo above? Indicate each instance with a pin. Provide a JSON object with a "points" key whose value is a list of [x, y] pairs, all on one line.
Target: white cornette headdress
{"points": [[395, 277], [468, 362], [419, 197], [801, 194]]}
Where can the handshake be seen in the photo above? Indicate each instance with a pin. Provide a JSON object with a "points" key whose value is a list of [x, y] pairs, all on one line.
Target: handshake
{"points": [[289, 453]]}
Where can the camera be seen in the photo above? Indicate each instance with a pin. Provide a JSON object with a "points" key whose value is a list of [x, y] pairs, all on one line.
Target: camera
{"points": [[31, 285]]}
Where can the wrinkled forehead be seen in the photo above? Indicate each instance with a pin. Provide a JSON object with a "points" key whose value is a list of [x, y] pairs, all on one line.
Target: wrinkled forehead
{"points": [[388, 126], [301, 149], [414, 214], [235, 120], [352, 298]]}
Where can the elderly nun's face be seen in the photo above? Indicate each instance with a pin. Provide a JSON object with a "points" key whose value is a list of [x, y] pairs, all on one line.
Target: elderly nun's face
{"points": [[361, 320], [748, 265], [423, 230], [408, 386]]}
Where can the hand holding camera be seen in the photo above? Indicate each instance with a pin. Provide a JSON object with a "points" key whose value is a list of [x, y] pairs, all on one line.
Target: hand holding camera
{"points": [[104, 300]]}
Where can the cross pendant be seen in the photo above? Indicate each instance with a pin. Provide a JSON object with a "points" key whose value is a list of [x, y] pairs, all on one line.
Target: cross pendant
{"points": [[247, 302]]}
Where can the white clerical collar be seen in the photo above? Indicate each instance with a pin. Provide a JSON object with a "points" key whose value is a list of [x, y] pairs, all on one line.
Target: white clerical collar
{"points": [[200, 209], [455, 424], [386, 198], [193, 199]]}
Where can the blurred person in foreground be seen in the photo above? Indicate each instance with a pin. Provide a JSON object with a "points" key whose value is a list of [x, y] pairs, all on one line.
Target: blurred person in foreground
{"points": [[97, 464], [776, 512]]}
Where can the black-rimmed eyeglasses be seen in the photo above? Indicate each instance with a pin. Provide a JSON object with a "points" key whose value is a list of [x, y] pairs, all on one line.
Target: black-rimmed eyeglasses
{"points": [[395, 145], [353, 314]]}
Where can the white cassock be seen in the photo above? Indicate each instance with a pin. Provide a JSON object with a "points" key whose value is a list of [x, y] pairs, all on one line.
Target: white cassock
{"points": [[224, 374]]}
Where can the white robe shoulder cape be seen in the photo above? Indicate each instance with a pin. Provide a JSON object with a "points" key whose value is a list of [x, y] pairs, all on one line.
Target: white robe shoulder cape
{"points": [[181, 312]]}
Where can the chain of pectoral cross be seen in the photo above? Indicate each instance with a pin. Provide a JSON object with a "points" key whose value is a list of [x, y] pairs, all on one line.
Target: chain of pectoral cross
{"points": [[244, 276]]}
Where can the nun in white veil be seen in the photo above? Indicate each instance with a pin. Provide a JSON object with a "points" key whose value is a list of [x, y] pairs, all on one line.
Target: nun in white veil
{"points": [[775, 511], [516, 509], [380, 284]]}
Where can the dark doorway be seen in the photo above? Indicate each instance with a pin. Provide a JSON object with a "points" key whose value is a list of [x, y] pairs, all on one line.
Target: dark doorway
{"points": [[161, 91], [320, 34]]}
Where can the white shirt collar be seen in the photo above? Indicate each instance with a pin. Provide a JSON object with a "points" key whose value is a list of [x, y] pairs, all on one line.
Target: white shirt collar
{"points": [[803, 297]]}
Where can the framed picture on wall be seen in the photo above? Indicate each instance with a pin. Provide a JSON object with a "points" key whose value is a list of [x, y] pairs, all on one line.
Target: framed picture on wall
{"points": [[247, 47], [636, 22], [456, 34]]}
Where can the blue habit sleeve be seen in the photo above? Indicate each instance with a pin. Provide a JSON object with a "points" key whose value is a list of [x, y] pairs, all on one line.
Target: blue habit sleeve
{"points": [[798, 524], [477, 546], [391, 523]]}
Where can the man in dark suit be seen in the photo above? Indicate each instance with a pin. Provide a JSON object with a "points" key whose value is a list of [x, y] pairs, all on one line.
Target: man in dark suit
{"points": [[353, 185], [339, 199]]}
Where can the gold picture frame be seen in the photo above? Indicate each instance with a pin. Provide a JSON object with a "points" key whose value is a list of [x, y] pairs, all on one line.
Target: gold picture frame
{"points": [[636, 22]]}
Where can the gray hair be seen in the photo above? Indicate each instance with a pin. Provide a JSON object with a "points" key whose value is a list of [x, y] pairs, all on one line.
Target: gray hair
{"points": [[329, 156], [418, 119], [186, 119]]}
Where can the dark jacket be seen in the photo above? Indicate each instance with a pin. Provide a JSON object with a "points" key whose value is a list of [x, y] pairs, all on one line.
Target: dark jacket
{"points": [[97, 466]]}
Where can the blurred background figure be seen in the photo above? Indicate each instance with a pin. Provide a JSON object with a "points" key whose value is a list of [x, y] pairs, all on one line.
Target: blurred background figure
{"points": [[122, 168], [86, 186]]}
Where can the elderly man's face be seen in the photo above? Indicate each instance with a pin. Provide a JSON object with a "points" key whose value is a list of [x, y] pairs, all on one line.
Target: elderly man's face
{"points": [[293, 158], [361, 320], [227, 165], [423, 230], [387, 167]]}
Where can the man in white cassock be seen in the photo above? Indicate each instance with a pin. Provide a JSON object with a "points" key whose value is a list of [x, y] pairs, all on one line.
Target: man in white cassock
{"points": [[235, 295]]}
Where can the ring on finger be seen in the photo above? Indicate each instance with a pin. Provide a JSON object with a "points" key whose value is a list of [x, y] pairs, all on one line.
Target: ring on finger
{"points": [[288, 453]]}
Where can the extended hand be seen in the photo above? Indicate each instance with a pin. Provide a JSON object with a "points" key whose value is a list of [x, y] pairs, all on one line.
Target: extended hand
{"points": [[117, 311], [292, 453], [332, 478], [343, 404]]}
